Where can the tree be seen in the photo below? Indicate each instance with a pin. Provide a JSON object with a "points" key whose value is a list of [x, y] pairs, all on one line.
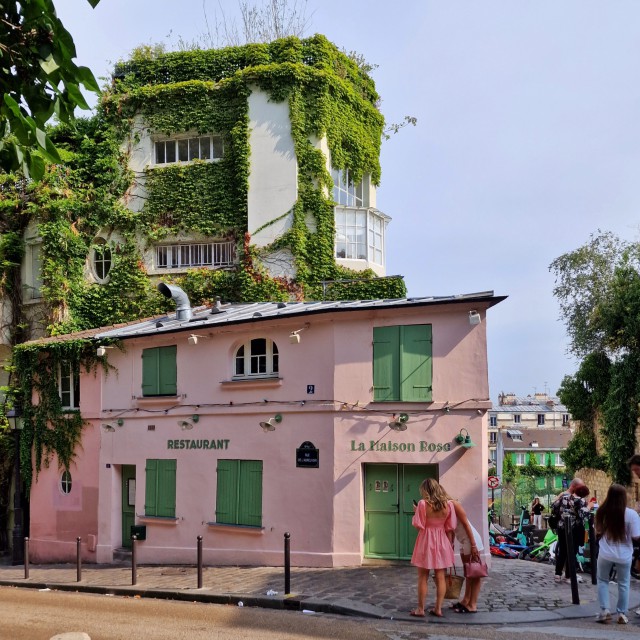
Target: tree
{"points": [[598, 287], [38, 79]]}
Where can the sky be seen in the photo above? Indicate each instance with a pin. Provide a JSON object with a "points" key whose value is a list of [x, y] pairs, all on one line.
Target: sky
{"points": [[527, 141]]}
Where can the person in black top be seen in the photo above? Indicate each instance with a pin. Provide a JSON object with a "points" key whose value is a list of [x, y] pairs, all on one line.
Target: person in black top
{"points": [[571, 502], [536, 510]]}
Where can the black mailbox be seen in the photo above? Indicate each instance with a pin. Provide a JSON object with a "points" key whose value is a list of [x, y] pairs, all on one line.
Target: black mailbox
{"points": [[139, 530]]}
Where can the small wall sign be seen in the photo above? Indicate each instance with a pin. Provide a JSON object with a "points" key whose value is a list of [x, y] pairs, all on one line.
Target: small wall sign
{"points": [[311, 389], [307, 456]]}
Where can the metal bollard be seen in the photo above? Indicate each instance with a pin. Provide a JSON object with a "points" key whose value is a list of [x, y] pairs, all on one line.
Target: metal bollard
{"points": [[78, 559], [287, 564], [26, 558], [571, 558], [134, 560], [199, 562]]}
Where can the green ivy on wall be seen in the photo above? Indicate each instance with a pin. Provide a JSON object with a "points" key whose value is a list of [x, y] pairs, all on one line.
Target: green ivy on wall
{"points": [[91, 193]]}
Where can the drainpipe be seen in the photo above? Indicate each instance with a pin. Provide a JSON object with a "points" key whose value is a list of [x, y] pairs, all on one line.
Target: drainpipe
{"points": [[183, 306]]}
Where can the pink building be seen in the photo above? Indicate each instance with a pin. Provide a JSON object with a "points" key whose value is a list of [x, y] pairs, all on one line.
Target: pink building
{"points": [[247, 421]]}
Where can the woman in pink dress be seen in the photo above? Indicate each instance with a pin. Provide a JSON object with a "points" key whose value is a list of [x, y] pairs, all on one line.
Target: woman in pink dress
{"points": [[435, 520]]}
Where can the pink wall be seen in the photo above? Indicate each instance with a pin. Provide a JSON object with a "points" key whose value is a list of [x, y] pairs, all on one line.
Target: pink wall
{"points": [[321, 508]]}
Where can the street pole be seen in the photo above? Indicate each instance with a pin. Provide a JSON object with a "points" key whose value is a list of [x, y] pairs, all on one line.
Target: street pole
{"points": [[18, 542]]}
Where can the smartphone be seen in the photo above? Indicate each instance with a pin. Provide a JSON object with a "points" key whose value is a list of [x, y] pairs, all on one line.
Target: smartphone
{"points": [[415, 504]]}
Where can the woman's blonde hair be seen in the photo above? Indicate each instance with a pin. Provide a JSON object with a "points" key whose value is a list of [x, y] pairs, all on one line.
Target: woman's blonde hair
{"points": [[431, 490]]}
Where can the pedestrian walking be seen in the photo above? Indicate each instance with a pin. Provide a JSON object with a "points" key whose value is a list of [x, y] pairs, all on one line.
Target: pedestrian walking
{"points": [[617, 526], [470, 547], [435, 519], [571, 502], [536, 510]]}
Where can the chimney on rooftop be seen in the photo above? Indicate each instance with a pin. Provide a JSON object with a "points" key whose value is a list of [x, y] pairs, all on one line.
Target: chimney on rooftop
{"points": [[183, 306]]}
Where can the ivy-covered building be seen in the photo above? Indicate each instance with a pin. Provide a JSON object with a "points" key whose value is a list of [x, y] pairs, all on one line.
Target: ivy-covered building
{"points": [[247, 173]]}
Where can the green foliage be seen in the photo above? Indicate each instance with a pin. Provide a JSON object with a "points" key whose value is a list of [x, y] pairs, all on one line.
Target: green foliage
{"points": [[38, 79], [599, 288], [509, 469], [90, 195], [581, 452]]}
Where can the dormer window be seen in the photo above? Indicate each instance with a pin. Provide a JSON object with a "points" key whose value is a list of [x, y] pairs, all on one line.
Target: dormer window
{"points": [[257, 358], [186, 149]]}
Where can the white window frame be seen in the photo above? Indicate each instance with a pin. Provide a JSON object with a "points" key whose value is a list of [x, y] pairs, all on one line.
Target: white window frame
{"points": [[187, 148], [493, 421], [541, 419], [249, 363], [190, 255], [360, 235], [520, 459], [493, 437], [66, 482], [99, 258], [345, 192], [565, 419], [33, 271], [69, 386], [516, 418], [558, 462]]}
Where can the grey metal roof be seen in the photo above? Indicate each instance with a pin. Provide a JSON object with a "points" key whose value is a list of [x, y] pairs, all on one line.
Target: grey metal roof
{"points": [[232, 314]]}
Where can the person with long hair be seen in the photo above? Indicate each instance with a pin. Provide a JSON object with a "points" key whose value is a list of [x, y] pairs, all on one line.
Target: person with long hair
{"points": [[536, 511], [435, 520], [470, 547], [616, 527]]}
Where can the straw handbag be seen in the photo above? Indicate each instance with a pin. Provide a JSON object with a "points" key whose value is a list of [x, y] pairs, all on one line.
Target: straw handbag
{"points": [[454, 584]]}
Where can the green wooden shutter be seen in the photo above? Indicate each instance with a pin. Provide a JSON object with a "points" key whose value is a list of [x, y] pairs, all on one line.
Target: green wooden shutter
{"points": [[250, 493], [227, 491], [167, 371], [151, 488], [166, 488], [386, 364], [415, 363], [150, 359]]}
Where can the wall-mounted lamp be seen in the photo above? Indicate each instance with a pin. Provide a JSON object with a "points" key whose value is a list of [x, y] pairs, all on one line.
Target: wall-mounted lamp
{"points": [[193, 338], [294, 336], [187, 425], [399, 423], [112, 426], [474, 318], [268, 425], [464, 440], [102, 351], [447, 409]]}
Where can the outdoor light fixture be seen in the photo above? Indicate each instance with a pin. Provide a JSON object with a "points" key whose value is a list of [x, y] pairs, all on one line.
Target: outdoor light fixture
{"points": [[268, 425], [464, 440], [399, 423], [193, 338], [185, 425], [102, 351], [474, 318], [447, 409], [112, 426], [294, 336]]}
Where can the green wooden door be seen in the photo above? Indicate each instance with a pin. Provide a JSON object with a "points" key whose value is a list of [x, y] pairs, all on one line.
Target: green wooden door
{"points": [[128, 503], [381, 511], [389, 493], [412, 476]]}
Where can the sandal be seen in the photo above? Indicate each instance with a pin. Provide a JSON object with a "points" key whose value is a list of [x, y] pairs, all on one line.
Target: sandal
{"points": [[455, 605], [415, 614], [432, 612], [460, 608]]}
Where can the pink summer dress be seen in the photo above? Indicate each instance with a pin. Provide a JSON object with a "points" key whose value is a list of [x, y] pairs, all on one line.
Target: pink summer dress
{"points": [[433, 550]]}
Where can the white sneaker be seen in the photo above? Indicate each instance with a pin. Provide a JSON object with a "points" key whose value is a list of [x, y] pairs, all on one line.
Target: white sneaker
{"points": [[622, 619], [558, 579], [604, 617], [580, 578]]}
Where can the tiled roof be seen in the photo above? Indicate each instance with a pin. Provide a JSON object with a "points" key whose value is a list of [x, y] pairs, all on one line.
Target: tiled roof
{"points": [[547, 439]]}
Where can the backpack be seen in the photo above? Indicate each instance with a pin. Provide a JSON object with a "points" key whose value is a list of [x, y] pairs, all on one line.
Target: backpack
{"points": [[554, 516]]}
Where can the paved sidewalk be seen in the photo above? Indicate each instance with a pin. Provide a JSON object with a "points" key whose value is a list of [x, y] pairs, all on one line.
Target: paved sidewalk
{"points": [[516, 590]]}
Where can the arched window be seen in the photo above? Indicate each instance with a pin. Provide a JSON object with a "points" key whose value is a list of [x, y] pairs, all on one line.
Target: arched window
{"points": [[65, 482], [256, 359], [101, 259]]}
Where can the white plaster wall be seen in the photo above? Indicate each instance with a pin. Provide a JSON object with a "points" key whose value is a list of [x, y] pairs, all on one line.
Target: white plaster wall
{"points": [[139, 148], [273, 177]]}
